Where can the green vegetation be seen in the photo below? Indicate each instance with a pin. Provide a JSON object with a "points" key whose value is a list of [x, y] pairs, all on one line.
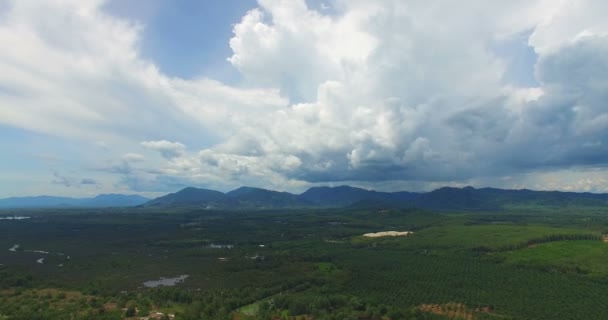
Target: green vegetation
{"points": [[484, 237], [583, 257], [304, 264]]}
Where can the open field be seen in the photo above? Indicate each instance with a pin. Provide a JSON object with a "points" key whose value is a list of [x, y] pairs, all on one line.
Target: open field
{"points": [[583, 257], [314, 264]]}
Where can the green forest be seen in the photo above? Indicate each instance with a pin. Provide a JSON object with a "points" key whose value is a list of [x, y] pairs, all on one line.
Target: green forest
{"points": [[147, 263]]}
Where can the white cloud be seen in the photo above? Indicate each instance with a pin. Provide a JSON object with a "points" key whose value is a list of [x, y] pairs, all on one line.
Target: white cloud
{"points": [[301, 49], [76, 72], [407, 91], [567, 22], [424, 96], [167, 149], [133, 157]]}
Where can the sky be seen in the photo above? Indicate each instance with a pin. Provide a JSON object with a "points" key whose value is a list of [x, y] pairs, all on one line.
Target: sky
{"points": [[148, 97]]}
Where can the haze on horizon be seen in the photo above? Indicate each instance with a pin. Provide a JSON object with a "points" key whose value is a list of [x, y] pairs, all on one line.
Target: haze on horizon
{"points": [[118, 96]]}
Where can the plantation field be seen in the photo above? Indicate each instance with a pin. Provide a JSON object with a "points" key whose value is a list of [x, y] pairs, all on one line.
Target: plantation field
{"points": [[303, 264], [485, 237], [583, 257]]}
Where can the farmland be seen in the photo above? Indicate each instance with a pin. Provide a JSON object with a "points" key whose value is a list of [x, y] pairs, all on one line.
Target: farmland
{"points": [[524, 263]]}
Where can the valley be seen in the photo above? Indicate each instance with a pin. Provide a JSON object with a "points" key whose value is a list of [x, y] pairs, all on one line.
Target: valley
{"points": [[308, 263]]}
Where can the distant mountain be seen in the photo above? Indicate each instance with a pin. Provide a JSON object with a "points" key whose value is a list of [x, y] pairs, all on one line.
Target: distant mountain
{"points": [[262, 198], [450, 199], [189, 197], [243, 197], [100, 201], [36, 202], [115, 200], [335, 196], [345, 195], [469, 198], [446, 199], [248, 197]]}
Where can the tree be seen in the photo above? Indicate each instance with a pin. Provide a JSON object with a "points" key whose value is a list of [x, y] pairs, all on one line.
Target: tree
{"points": [[131, 312]]}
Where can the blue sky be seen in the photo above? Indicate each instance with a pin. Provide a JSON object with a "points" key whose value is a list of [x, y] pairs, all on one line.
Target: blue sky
{"points": [[186, 38], [100, 96]]}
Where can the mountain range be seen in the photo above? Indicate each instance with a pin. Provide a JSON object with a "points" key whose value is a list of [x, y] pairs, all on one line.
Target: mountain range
{"points": [[100, 201], [446, 198]]}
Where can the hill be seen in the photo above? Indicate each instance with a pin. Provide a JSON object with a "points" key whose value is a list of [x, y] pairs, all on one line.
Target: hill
{"points": [[114, 200], [263, 198], [469, 198], [345, 195], [189, 197], [445, 199], [243, 197]]}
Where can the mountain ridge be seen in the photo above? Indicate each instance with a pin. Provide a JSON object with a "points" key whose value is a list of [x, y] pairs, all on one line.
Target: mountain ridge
{"points": [[99, 201], [445, 198]]}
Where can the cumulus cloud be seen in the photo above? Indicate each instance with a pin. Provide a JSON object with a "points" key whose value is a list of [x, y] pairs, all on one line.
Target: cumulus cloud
{"points": [[374, 91], [76, 72], [167, 149], [425, 98], [383, 88], [133, 157]]}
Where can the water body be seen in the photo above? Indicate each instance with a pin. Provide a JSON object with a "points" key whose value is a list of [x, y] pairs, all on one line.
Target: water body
{"points": [[165, 282], [14, 218]]}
